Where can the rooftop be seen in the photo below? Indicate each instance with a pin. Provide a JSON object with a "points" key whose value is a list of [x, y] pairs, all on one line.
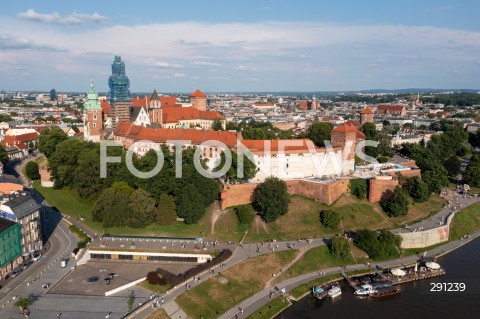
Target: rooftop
{"points": [[5, 224]]}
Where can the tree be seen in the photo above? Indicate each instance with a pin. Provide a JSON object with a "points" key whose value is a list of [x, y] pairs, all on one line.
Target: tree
{"points": [[396, 203], [245, 214], [319, 132], [340, 247], [111, 208], [3, 155], [452, 165], [272, 199], [472, 174], [217, 125], [381, 245], [142, 209], [49, 138], [23, 302], [371, 134], [358, 187], [64, 161], [417, 189], [249, 168], [191, 205], [330, 218], [436, 179], [167, 210], [31, 169]]}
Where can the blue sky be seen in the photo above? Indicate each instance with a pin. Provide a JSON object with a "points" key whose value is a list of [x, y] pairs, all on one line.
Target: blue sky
{"points": [[265, 45]]}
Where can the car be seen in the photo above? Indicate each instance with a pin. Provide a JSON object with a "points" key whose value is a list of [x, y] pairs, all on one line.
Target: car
{"points": [[15, 272], [36, 256], [26, 264]]}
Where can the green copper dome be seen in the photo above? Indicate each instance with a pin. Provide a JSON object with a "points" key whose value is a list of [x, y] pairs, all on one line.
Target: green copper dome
{"points": [[92, 102]]}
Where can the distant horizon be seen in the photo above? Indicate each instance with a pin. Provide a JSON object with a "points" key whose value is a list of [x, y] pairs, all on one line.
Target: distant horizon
{"points": [[249, 46], [366, 91]]}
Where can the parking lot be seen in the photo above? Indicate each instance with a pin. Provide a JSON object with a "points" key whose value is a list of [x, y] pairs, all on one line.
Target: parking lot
{"points": [[89, 279]]}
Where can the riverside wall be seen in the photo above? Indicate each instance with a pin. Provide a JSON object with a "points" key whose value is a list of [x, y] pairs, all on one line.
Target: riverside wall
{"points": [[429, 237]]}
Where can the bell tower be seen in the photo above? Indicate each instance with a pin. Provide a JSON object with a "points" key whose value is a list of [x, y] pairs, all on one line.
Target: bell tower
{"points": [[92, 116]]}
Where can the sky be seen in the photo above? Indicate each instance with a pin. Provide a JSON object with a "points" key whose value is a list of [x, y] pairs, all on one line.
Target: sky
{"points": [[248, 45]]}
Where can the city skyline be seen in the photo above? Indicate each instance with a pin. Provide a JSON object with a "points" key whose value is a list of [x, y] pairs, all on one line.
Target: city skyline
{"points": [[252, 46]]}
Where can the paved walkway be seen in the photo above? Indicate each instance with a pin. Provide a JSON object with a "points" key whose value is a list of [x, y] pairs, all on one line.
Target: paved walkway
{"points": [[260, 299]]}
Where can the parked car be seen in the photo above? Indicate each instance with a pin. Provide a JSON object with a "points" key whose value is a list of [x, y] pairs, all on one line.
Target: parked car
{"points": [[15, 272], [36, 256], [26, 264]]}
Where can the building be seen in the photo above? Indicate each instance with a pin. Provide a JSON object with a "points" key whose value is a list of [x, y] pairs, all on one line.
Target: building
{"points": [[9, 184], [92, 116], [199, 100], [388, 110], [473, 127], [119, 95], [264, 106], [344, 136], [10, 246], [22, 208], [411, 136], [18, 146], [366, 115]]}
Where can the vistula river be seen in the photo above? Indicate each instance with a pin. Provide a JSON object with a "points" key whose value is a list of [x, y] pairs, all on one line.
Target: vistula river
{"points": [[415, 300]]}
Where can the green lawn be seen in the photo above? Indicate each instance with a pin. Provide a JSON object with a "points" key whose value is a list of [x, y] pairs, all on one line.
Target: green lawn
{"points": [[154, 288], [314, 259], [212, 298], [69, 203], [465, 222], [270, 309]]}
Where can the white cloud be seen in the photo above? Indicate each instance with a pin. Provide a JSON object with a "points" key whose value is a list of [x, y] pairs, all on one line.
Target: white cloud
{"points": [[218, 78], [55, 17], [178, 75], [195, 77], [165, 65], [205, 63], [244, 68]]}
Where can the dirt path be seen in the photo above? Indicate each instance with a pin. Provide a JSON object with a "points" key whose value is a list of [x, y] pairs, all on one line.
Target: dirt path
{"points": [[260, 223], [302, 251], [216, 213]]}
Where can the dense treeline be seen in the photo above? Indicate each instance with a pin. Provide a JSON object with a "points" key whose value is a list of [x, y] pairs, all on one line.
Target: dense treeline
{"points": [[435, 160], [259, 130], [378, 245], [457, 99], [121, 198]]}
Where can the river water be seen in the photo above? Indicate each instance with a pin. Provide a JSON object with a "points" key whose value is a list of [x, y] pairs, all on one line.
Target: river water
{"points": [[415, 300]]}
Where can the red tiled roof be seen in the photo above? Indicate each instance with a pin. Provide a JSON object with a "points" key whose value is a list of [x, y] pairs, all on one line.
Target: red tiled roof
{"points": [[352, 123], [390, 107], [176, 114], [105, 106], [162, 135], [359, 134], [367, 110], [198, 93], [167, 100], [19, 140], [140, 101], [344, 128]]}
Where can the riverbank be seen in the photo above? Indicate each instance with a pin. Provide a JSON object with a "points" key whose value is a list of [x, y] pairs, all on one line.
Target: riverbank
{"points": [[262, 298]]}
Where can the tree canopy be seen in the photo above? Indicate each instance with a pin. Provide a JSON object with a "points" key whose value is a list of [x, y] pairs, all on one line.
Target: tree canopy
{"points": [[396, 203], [340, 247], [31, 170], [272, 199], [48, 139], [378, 246], [319, 132], [417, 189], [329, 218]]}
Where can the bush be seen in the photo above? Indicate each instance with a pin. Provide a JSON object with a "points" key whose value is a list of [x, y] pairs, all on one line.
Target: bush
{"points": [[382, 159], [245, 214], [358, 187], [329, 218], [31, 170], [340, 247], [378, 246], [395, 203]]}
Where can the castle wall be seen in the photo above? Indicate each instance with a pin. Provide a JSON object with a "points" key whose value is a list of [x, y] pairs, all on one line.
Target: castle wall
{"points": [[45, 177], [241, 194], [379, 187]]}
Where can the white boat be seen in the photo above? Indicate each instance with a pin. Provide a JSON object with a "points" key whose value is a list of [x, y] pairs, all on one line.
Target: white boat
{"points": [[334, 292], [365, 290]]}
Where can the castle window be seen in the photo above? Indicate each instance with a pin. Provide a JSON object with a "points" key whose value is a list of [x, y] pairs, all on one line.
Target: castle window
{"points": [[94, 124], [94, 116]]}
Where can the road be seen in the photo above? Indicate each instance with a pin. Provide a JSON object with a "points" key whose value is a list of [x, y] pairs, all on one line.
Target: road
{"points": [[49, 270]]}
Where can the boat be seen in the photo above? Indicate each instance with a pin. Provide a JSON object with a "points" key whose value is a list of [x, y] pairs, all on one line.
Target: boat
{"points": [[365, 290], [319, 293], [385, 291], [381, 283], [334, 292]]}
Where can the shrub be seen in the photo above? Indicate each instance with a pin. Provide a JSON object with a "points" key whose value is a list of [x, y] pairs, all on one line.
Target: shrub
{"points": [[358, 187], [245, 214], [330, 218]]}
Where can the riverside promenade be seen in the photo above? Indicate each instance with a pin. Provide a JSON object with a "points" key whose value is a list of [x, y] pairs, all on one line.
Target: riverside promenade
{"points": [[261, 298]]}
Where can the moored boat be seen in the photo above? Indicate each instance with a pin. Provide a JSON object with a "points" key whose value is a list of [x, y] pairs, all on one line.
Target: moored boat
{"points": [[385, 291], [334, 292]]}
